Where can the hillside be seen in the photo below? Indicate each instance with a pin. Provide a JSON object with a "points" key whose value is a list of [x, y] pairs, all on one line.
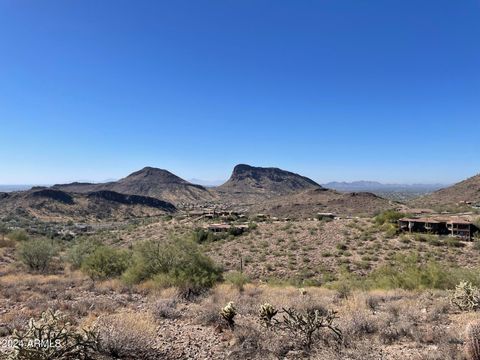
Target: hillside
{"points": [[56, 205], [149, 181], [308, 203], [252, 184], [456, 196]]}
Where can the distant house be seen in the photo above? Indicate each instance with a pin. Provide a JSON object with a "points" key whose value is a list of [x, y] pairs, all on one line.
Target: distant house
{"points": [[441, 225]]}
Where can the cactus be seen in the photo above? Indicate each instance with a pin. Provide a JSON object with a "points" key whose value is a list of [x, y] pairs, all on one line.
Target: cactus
{"points": [[228, 313], [472, 341], [466, 296], [267, 313], [52, 337], [306, 324]]}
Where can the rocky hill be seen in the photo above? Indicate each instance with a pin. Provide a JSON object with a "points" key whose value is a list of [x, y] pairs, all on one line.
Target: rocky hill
{"points": [[157, 183], [56, 205], [251, 184], [460, 195]]}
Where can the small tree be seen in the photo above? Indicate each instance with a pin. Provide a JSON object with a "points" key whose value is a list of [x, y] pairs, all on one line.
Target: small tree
{"points": [[37, 254]]}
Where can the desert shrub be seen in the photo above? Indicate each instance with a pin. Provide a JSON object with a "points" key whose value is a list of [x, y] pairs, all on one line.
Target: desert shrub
{"points": [[18, 235], [472, 341], [466, 296], [173, 263], [237, 279], [53, 337], [203, 236], [165, 309], [409, 272], [127, 336], [37, 254], [389, 216], [105, 262], [3, 230], [82, 249]]}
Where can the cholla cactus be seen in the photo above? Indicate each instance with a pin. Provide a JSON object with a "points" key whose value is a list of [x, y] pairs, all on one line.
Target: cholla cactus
{"points": [[52, 337], [466, 296], [228, 313], [472, 341], [267, 313]]}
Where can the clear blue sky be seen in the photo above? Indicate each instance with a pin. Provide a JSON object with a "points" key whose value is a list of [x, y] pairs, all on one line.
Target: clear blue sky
{"points": [[335, 90]]}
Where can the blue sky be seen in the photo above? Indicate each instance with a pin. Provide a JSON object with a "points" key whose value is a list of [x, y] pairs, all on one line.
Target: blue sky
{"points": [[335, 90]]}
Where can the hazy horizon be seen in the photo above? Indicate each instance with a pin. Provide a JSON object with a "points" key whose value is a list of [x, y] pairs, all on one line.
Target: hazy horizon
{"points": [[335, 91]]}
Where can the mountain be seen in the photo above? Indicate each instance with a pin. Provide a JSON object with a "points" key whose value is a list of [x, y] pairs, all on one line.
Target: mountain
{"points": [[254, 183], [56, 205], [373, 186], [462, 195], [149, 181]]}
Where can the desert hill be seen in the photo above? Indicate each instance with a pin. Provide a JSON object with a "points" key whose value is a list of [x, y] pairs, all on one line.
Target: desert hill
{"points": [[151, 182], [458, 195], [56, 205], [251, 184], [310, 202]]}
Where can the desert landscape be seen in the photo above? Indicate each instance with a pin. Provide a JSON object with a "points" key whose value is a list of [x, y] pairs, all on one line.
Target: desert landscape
{"points": [[239, 180], [270, 265]]}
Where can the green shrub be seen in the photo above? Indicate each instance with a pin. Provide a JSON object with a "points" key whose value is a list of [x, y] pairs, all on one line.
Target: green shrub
{"points": [[389, 216], [3, 230], [175, 262], [37, 254], [80, 251], [18, 235], [237, 279], [106, 262]]}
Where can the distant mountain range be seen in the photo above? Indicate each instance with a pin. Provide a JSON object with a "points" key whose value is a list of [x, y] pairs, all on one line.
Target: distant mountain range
{"points": [[374, 186], [10, 188], [153, 191]]}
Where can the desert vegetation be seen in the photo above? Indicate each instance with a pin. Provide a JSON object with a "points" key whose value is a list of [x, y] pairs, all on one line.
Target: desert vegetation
{"points": [[104, 296]]}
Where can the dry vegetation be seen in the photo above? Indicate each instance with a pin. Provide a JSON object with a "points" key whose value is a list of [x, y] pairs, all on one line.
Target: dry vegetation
{"points": [[355, 313]]}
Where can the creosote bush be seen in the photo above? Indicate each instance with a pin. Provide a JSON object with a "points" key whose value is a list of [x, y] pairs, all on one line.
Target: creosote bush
{"points": [[37, 254]]}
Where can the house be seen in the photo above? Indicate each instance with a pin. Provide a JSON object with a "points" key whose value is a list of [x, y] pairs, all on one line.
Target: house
{"points": [[440, 225]]}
